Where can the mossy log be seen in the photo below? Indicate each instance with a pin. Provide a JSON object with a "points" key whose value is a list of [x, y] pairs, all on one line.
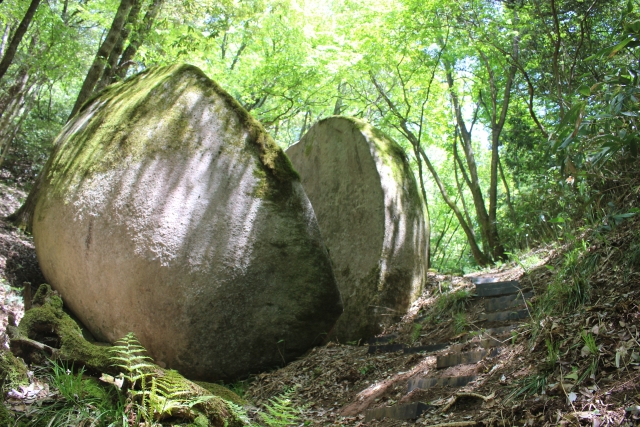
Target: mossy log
{"points": [[46, 330]]}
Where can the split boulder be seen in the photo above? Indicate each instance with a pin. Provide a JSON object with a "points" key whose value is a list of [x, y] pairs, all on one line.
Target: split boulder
{"points": [[371, 216], [167, 211]]}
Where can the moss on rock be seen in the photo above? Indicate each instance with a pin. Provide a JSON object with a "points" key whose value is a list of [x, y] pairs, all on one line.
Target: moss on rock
{"points": [[222, 391], [48, 317], [153, 99], [13, 371], [216, 409]]}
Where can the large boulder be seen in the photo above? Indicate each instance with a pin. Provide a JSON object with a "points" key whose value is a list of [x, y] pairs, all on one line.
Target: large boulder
{"points": [[371, 216], [167, 211]]}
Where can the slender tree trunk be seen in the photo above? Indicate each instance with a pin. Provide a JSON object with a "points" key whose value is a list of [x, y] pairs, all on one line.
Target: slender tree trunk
{"points": [[108, 74], [5, 38], [426, 205], [337, 108], [498, 119], [9, 135], [303, 129], [65, 12], [507, 192], [138, 38], [457, 162], [447, 254], [474, 181], [14, 95], [442, 234], [23, 217], [478, 255], [7, 59], [101, 57]]}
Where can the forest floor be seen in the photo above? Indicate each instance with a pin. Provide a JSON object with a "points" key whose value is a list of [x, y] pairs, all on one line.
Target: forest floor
{"points": [[561, 366]]}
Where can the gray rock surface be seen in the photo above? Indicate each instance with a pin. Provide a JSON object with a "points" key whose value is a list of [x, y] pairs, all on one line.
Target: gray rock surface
{"points": [[167, 211], [371, 217]]}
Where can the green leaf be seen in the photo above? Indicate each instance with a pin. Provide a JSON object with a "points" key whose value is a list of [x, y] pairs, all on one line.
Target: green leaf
{"points": [[584, 90]]}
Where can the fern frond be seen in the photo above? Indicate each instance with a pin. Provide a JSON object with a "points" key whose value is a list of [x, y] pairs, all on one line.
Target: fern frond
{"points": [[281, 412]]}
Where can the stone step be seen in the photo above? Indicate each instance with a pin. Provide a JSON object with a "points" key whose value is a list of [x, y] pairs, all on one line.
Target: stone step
{"points": [[483, 343], [506, 302], [392, 348], [385, 348], [411, 411], [466, 358], [425, 383], [382, 339], [425, 348], [501, 331], [497, 288], [479, 280], [502, 316]]}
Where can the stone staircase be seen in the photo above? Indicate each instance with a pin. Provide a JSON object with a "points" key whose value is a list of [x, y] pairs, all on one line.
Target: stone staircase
{"points": [[504, 307]]}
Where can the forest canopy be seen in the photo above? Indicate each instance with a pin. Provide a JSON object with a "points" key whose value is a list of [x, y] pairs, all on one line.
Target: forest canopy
{"points": [[519, 117]]}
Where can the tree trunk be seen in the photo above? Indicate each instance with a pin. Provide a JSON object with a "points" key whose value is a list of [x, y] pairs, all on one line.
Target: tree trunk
{"points": [[65, 12], [507, 192], [337, 108], [458, 163], [478, 255], [5, 39], [101, 57], [108, 74], [138, 38], [498, 119], [17, 37], [426, 205], [10, 134], [478, 199]]}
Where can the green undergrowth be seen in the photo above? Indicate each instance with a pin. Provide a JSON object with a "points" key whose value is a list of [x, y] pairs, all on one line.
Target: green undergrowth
{"points": [[130, 390], [281, 411], [448, 306], [600, 265]]}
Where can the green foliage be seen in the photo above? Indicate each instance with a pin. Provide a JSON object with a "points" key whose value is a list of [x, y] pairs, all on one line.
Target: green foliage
{"points": [[451, 303], [281, 412], [129, 356], [80, 401], [528, 386], [290, 65], [415, 333], [571, 286], [593, 353], [605, 121], [553, 352], [460, 323], [152, 395]]}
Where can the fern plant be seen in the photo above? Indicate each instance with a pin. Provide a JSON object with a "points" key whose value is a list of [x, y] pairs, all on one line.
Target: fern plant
{"points": [[153, 394], [169, 393], [281, 412], [129, 355]]}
